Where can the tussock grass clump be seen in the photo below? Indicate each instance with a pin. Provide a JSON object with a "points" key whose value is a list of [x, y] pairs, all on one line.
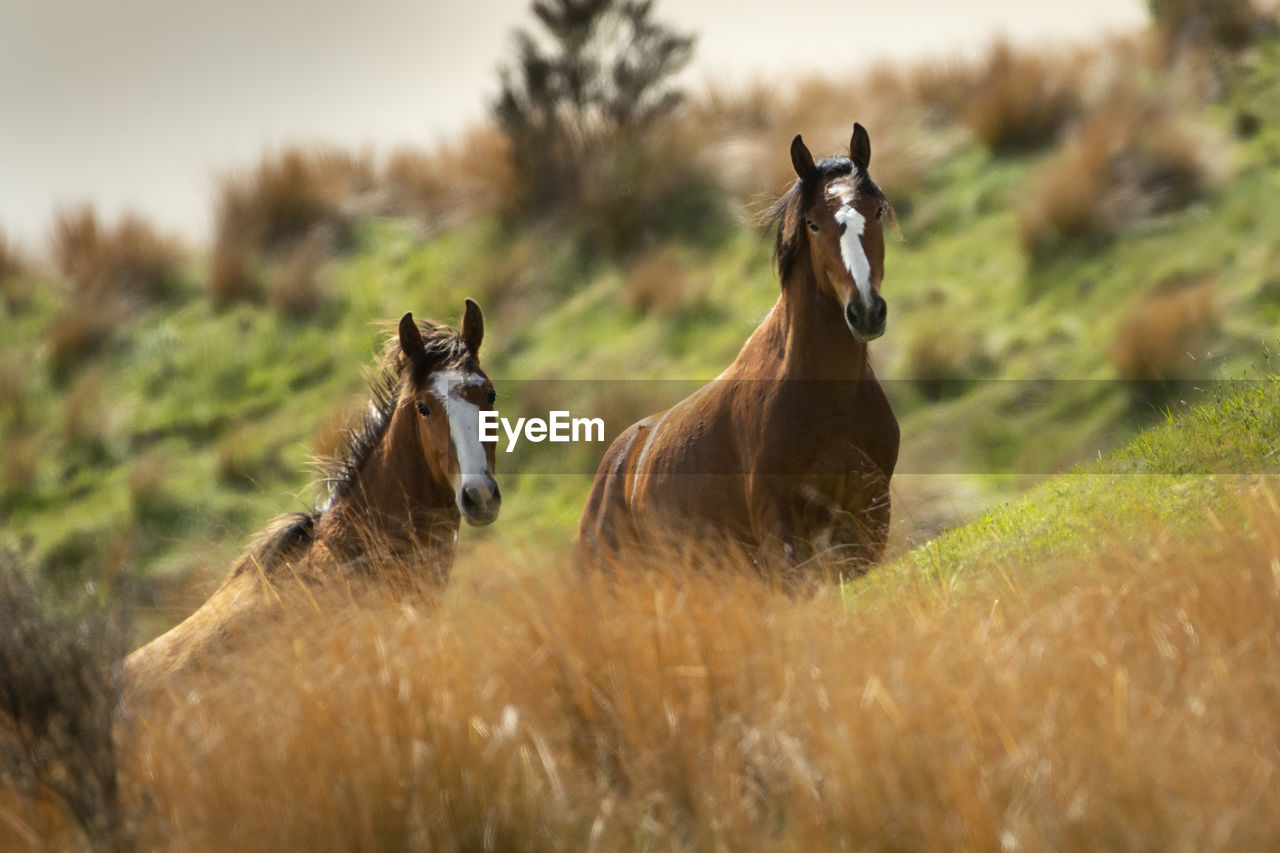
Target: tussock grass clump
{"points": [[942, 361], [1131, 159], [129, 261], [1020, 100], [109, 271], [292, 197], [456, 182], [15, 287], [59, 693], [659, 283], [1223, 24], [295, 287], [1159, 336], [1127, 701]]}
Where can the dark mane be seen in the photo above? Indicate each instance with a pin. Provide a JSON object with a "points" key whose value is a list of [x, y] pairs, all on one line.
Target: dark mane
{"points": [[443, 349], [785, 213]]}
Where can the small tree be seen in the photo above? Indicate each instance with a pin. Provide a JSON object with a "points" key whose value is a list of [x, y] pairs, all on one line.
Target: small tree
{"points": [[595, 78]]}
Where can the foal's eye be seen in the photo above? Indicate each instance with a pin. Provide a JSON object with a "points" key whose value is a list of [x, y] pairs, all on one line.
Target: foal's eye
{"points": [[813, 226], [493, 395], [879, 212], [423, 410]]}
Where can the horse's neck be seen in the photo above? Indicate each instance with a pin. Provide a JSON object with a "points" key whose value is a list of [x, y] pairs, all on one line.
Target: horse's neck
{"points": [[394, 507], [804, 337]]}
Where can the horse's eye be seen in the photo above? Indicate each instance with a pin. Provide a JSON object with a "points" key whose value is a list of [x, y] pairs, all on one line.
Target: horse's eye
{"points": [[879, 212], [493, 395], [423, 410], [813, 226]]}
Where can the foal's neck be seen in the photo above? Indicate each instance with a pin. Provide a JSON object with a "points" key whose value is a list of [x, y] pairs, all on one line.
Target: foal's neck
{"points": [[394, 508], [815, 339]]}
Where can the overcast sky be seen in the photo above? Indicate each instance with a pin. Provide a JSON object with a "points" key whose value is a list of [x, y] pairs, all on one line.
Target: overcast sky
{"points": [[140, 104]]}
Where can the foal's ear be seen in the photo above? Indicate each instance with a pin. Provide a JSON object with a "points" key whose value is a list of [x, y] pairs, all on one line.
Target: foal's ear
{"points": [[860, 148], [472, 327], [410, 336], [801, 159]]}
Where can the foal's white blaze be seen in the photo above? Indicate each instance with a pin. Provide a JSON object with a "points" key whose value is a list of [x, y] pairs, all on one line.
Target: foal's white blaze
{"points": [[851, 250], [464, 425]]}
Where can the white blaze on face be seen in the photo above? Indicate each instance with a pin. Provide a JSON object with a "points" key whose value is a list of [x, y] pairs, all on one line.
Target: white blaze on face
{"points": [[851, 250], [464, 424]]}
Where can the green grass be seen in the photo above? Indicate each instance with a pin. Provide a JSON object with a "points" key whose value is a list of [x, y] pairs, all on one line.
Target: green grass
{"points": [[1178, 477]]}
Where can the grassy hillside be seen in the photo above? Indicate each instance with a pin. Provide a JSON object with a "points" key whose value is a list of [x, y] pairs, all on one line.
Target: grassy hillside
{"points": [[1071, 671], [148, 435]]}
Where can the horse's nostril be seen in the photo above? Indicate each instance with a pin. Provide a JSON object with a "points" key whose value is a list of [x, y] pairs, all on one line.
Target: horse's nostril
{"points": [[882, 310], [497, 493]]}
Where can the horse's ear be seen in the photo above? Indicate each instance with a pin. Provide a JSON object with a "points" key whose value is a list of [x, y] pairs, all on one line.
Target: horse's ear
{"points": [[472, 327], [410, 336], [801, 159], [860, 148]]}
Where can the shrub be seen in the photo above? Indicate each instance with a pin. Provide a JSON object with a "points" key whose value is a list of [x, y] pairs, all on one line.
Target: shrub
{"points": [[585, 117], [603, 79]]}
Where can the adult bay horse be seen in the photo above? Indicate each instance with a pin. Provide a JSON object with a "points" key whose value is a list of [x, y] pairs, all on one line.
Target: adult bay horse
{"points": [[411, 472], [788, 453]]}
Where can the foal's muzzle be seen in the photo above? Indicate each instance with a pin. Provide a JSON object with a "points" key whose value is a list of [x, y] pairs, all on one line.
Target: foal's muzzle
{"points": [[866, 322], [480, 500]]}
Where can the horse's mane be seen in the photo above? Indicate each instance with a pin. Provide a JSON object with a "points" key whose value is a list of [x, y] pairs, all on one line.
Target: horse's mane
{"points": [[443, 348], [785, 213]]}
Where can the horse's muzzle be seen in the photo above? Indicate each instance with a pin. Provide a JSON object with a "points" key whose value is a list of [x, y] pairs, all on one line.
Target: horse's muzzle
{"points": [[867, 322], [480, 500]]}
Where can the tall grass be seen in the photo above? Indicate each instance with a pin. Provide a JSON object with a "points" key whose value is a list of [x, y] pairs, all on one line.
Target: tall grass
{"points": [[59, 696], [1128, 702]]}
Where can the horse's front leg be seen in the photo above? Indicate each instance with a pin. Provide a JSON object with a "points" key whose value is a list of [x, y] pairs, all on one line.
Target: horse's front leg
{"points": [[775, 526]]}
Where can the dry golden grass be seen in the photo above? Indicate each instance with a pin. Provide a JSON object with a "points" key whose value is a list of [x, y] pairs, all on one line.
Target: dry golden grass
{"points": [[1128, 703], [1161, 334], [455, 182], [128, 261], [659, 283], [108, 271], [294, 206], [15, 285], [1022, 100], [295, 287], [1229, 24], [232, 272], [744, 135], [288, 195], [1132, 158]]}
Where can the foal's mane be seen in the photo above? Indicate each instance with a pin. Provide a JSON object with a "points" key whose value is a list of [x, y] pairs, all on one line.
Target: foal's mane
{"points": [[443, 348], [787, 213]]}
